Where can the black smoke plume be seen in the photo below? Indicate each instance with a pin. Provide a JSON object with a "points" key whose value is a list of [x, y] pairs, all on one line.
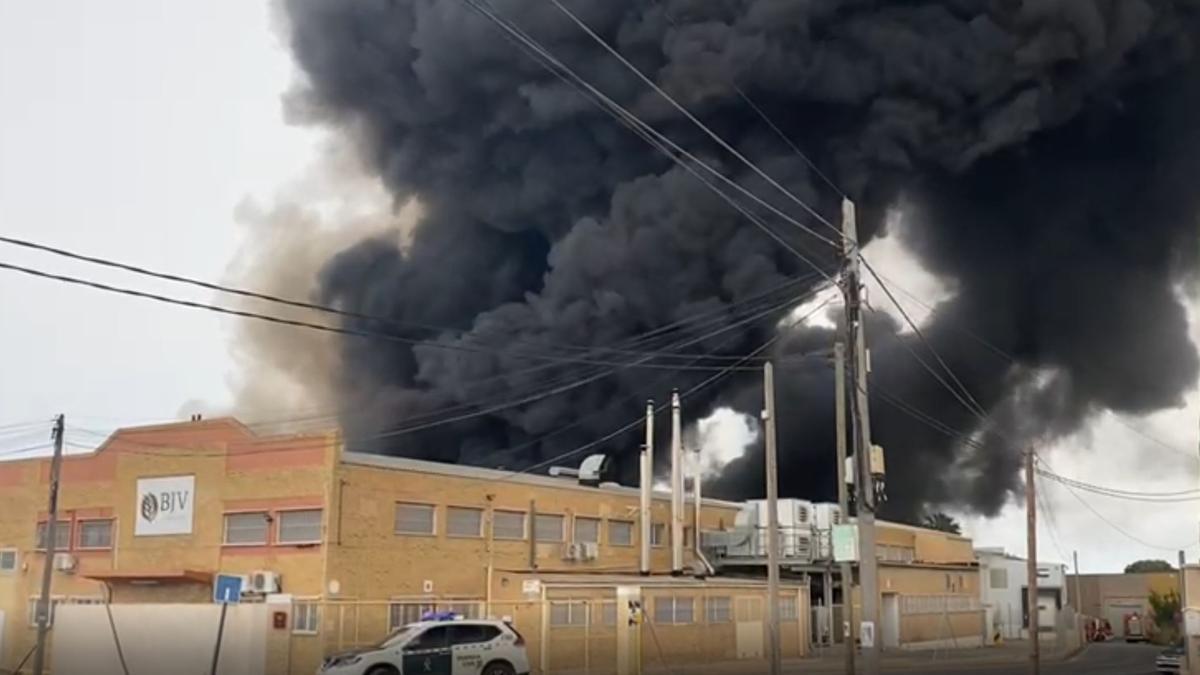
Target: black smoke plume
{"points": [[1042, 153]]}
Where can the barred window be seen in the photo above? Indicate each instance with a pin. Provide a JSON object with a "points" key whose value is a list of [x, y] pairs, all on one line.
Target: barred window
{"points": [[8, 559], [95, 534], [62, 536], [788, 609], [548, 527], [306, 617], [246, 528], [401, 614], [300, 527]]}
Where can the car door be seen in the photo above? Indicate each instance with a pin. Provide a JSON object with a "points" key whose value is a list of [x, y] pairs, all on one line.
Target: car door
{"points": [[428, 653], [472, 647]]}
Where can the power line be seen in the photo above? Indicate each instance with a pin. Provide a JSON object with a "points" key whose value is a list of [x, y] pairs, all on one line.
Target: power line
{"points": [[703, 127], [310, 305], [334, 329], [663, 143], [1159, 498]]}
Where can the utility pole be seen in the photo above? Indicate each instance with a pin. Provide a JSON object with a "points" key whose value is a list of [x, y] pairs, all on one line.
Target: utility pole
{"points": [[1183, 599], [676, 487], [868, 569], [847, 571], [646, 489], [1035, 652], [1078, 594], [774, 648], [43, 604]]}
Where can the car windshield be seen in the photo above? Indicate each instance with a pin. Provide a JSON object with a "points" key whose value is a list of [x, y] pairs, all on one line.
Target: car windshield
{"points": [[396, 637]]}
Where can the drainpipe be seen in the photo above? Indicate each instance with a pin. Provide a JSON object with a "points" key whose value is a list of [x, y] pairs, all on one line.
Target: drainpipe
{"points": [[696, 496], [676, 488]]}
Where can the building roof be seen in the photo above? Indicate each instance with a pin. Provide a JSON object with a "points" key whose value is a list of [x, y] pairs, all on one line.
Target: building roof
{"points": [[480, 473]]}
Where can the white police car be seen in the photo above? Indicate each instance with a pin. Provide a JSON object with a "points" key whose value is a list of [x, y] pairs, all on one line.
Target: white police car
{"points": [[438, 647]]}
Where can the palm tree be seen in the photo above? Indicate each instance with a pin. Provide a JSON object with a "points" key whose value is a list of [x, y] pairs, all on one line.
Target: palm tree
{"points": [[942, 521]]}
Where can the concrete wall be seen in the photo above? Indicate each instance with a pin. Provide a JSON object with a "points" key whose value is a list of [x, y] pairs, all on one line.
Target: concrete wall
{"points": [[1005, 603], [159, 639]]}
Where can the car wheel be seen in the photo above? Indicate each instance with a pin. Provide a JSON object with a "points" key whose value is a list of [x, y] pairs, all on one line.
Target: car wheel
{"points": [[383, 670], [498, 668]]}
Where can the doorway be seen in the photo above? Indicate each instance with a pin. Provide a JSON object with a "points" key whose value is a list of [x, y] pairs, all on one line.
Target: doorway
{"points": [[889, 616]]}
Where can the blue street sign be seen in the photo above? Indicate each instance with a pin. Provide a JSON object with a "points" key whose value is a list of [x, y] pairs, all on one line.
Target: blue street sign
{"points": [[228, 589]]}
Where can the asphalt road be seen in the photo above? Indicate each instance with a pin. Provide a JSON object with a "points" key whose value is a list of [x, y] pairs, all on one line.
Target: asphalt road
{"points": [[1115, 658]]}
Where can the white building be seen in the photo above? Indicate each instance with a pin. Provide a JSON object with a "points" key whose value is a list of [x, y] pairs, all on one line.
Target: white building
{"points": [[1005, 598]]}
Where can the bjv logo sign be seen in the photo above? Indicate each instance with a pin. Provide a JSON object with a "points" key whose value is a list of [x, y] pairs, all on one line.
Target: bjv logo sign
{"points": [[165, 505]]}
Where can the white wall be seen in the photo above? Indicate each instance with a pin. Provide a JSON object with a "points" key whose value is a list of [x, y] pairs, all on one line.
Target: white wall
{"points": [[158, 639], [1003, 605]]}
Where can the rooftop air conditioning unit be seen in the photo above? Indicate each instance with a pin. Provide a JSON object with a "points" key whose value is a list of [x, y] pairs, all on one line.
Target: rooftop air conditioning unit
{"points": [[65, 562], [264, 581]]}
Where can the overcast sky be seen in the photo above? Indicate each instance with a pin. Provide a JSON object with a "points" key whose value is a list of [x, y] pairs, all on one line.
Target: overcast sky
{"points": [[133, 131]]}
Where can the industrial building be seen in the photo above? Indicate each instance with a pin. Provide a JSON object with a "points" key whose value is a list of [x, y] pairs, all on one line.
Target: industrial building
{"points": [[1005, 594], [349, 546], [1116, 597]]}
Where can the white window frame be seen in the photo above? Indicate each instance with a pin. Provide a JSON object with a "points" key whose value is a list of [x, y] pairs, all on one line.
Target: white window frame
{"points": [[562, 527], [225, 528], [280, 514], [575, 528], [711, 604], [83, 522], [454, 507], [577, 613], [659, 541], [789, 608], [312, 615], [433, 520], [39, 546], [16, 558], [632, 532], [675, 601], [524, 524]]}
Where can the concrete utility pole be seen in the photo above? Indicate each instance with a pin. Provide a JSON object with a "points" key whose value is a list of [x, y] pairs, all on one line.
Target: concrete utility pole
{"points": [[647, 489], [847, 570], [774, 648], [43, 604], [676, 487], [864, 482], [1035, 649], [1183, 597], [1078, 594]]}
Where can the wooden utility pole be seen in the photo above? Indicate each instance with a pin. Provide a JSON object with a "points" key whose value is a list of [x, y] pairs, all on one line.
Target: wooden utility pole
{"points": [[868, 566], [43, 603], [1183, 599], [1035, 653], [847, 568], [774, 648]]}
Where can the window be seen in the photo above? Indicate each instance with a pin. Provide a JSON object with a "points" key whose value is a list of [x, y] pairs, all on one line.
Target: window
{"points": [[673, 610], [8, 559], [95, 534], [62, 536], [464, 522], [306, 617], [300, 527], [788, 611], [587, 530], [414, 519], [606, 612], [998, 577], [658, 534], [568, 613], [246, 529], [548, 527], [472, 634], [437, 637], [717, 610], [508, 525], [620, 533], [403, 613]]}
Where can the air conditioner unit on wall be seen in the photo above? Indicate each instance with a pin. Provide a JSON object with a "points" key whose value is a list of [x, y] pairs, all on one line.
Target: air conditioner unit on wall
{"points": [[589, 551], [264, 581], [65, 562], [571, 551]]}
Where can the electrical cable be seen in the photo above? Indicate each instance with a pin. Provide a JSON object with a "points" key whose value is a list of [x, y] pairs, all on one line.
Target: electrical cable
{"points": [[641, 128], [331, 329]]}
